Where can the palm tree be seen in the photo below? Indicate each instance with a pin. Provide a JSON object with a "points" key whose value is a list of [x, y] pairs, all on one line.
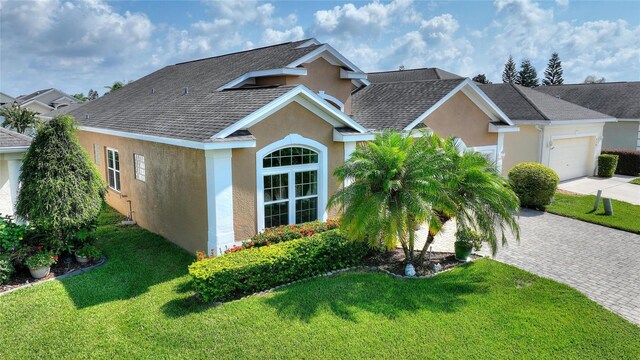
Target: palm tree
{"points": [[394, 183], [477, 197], [117, 85], [18, 118]]}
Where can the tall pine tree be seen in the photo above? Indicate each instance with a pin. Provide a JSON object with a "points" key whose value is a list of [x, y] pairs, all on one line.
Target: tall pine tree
{"points": [[509, 73], [553, 72], [527, 76]]}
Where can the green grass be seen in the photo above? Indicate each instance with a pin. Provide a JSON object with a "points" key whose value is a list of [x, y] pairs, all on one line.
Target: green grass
{"points": [[635, 181], [139, 305], [625, 216]]}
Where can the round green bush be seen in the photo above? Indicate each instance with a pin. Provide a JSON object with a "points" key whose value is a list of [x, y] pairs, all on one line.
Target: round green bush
{"points": [[534, 184], [607, 164]]}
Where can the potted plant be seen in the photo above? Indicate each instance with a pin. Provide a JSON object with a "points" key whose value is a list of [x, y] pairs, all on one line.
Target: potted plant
{"points": [[40, 262], [466, 241], [86, 253]]}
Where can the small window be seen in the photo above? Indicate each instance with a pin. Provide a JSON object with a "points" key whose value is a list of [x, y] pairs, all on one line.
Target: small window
{"points": [[113, 169], [96, 154], [138, 164]]}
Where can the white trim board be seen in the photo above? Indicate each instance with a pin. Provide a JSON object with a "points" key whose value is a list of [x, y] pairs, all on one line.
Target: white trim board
{"points": [[475, 95], [333, 57], [332, 99], [253, 74], [171, 141], [305, 97]]}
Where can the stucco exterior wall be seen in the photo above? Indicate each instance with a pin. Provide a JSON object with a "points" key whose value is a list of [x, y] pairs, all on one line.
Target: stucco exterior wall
{"points": [[6, 205], [172, 201], [292, 119], [460, 117], [39, 108], [521, 146], [621, 135]]}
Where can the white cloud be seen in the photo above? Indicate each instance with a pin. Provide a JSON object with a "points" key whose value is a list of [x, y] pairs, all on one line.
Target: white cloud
{"points": [[271, 36], [368, 20]]}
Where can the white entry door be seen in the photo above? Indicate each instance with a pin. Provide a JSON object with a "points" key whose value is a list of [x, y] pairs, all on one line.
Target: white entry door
{"points": [[572, 157]]}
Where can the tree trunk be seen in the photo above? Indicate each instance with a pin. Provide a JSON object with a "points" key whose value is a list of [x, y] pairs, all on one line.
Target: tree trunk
{"points": [[431, 236]]}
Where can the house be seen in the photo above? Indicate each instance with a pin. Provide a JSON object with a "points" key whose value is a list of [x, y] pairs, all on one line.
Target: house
{"points": [[559, 134], [617, 99], [43, 101], [13, 146], [6, 99], [211, 151]]}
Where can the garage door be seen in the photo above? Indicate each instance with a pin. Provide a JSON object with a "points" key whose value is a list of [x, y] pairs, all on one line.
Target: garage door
{"points": [[571, 158]]}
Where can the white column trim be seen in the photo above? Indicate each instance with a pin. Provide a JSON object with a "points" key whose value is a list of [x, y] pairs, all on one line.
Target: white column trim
{"points": [[15, 169], [293, 140], [500, 152], [219, 177]]}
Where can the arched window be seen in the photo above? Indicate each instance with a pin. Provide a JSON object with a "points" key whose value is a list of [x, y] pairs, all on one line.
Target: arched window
{"points": [[291, 184]]}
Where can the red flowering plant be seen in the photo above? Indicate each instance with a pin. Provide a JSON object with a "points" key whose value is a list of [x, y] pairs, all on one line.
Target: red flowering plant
{"points": [[41, 258]]}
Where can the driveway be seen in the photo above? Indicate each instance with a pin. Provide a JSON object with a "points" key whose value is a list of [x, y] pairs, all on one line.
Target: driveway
{"points": [[616, 187], [602, 263]]}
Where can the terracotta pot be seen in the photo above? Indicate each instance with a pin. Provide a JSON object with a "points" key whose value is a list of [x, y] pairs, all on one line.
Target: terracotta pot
{"points": [[82, 259], [39, 273]]}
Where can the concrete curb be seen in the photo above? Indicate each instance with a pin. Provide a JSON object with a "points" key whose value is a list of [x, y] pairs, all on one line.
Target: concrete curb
{"points": [[59, 277]]}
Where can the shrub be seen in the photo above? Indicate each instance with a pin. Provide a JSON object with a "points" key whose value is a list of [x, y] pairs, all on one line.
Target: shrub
{"points": [[6, 270], [607, 165], [534, 184], [11, 235], [282, 233], [246, 272], [628, 161], [61, 188], [89, 251]]}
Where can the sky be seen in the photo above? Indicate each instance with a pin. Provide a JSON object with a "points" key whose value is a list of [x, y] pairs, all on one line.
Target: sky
{"points": [[88, 44]]}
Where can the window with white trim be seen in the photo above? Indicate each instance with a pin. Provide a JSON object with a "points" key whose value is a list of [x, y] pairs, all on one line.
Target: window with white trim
{"points": [[113, 169], [290, 191], [139, 168]]}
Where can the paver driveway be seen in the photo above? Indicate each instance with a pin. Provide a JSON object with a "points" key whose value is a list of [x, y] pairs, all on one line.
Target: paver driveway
{"points": [[602, 263]]}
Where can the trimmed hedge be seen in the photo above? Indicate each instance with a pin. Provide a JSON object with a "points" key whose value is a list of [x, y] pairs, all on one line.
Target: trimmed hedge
{"points": [[534, 184], [607, 165], [628, 161], [283, 233], [246, 272]]}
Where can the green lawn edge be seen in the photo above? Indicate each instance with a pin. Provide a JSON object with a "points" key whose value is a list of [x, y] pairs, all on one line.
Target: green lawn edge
{"points": [[625, 216], [140, 305]]}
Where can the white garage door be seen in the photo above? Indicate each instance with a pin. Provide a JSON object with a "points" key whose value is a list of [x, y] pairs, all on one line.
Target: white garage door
{"points": [[571, 158]]}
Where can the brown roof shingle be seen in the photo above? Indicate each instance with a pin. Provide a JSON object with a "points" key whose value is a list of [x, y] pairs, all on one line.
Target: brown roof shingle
{"points": [[10, 138]]}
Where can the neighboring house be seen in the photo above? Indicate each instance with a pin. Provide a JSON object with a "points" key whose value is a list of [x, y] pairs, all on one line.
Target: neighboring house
{"points": [[209, 152], [562, 135], [46, 100], [618, 99], [60, 111], [6, 100], [13, 146]]}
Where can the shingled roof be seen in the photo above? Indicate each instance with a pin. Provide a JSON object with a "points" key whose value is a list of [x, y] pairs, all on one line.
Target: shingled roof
{"points": [[618, 99], [522, 103], [181, 101], [12, 139], [395, 105], [411, 75]]}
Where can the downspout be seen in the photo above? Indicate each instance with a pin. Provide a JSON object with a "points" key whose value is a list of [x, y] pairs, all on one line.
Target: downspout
{"points": [[540, 141]]}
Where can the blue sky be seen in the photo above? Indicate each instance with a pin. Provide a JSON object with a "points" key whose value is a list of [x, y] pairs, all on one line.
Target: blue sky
{"points": [[79, 45]]}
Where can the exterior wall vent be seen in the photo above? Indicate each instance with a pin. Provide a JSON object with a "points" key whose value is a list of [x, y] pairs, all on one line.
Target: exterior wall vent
{"points": [[186, 90]]}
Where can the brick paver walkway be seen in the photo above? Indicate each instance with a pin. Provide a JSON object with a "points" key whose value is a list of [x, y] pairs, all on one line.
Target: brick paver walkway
{"points": [[602, 263]]}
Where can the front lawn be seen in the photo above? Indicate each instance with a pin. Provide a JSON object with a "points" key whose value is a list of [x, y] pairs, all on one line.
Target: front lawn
{"points": [[139, 305], [625, 216]]}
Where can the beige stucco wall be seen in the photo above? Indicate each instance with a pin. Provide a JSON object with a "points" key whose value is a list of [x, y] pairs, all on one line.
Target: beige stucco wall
{"points": [[321, 76], [521, 146], [292, 119], [621, 135], [172, 201], [460, 117], [39, 108]]}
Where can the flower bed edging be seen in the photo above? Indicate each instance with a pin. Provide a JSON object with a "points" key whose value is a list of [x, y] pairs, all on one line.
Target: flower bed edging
{"points": [[347, 269], [59, 277]]}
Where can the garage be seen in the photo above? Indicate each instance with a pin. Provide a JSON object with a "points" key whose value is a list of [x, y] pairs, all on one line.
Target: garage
{"points": [[571, 157]]}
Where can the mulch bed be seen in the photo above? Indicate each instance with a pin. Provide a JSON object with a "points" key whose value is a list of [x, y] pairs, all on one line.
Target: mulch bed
{"points": [[65, 265], [393, 261]]}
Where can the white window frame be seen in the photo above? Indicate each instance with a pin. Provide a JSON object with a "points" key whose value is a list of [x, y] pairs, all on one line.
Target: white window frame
{"points": [[137, 166], [116, 179], [293, 140]]}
